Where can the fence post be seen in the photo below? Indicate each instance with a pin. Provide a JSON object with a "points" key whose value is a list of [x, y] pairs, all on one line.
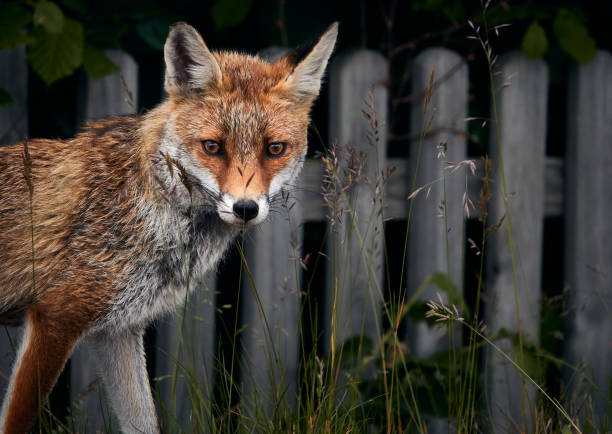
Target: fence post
{"points": [[272, 253], [521, 91], [104, 97], [184, 359], [429, 230], [13, 127], [355, 283], [588, 257], [14, 80]]}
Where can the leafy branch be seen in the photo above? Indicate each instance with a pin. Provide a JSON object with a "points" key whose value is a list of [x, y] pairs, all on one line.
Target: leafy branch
{"points": [[56, 45]]}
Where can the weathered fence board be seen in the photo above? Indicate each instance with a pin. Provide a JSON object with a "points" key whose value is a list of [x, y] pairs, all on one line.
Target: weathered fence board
{"points": [[185, 357], [104, 97], [435, 239], [271, 339], [115, 94], [355, 275], [588, 207], [14, 79], [522, 92], [428, 251], [13, 127]]}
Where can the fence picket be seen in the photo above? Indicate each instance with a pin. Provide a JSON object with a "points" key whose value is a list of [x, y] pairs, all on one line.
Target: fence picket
{"points": [[356, 283], [272, 256], [14, 80], [104, 97], [428, 233], [13, 127], [522, 92], [184, 357], [588, 207], [427, 251]]}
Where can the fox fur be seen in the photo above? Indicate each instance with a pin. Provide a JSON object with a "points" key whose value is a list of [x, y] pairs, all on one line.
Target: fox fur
{"points": [[101, 234]]}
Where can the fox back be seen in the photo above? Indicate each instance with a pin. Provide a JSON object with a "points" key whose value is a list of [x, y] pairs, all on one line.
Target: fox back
{"points": [[104, 232]]}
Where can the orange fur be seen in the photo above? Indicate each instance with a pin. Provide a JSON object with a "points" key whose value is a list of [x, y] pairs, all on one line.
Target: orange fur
{"points": [[48, 348]]}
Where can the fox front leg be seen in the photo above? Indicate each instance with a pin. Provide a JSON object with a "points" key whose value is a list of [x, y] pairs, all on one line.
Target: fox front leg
{"points": [[121, 359], [45, 347]]}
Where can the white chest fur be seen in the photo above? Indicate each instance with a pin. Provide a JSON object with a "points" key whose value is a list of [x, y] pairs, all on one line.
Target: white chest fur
{"points": [[183, 249]]}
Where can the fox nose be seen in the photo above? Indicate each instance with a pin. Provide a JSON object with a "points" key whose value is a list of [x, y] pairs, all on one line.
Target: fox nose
{"points": [[246, 210]]}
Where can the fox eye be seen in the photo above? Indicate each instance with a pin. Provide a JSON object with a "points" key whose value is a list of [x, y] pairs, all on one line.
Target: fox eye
{"points": [[276, 149], [211, 147]]}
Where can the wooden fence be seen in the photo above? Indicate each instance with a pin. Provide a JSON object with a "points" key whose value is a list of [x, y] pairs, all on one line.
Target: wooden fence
{"points": [[576, 187]]}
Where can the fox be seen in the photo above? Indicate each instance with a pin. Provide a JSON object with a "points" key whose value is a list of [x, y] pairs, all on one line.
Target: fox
{"points": [[101, 234]]}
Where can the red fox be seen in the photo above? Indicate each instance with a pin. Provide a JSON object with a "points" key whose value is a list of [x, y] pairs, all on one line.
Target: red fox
{"points": [[102, 233]]}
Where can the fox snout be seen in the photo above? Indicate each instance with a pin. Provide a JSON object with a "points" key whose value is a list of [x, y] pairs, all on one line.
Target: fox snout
{"points": [[242, 211], [246, 209], [245, 195]]}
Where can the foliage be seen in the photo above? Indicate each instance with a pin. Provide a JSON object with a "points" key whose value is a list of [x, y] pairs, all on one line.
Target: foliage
{"points": [[55, 55], [55, 43], [96, 63], [230, 13], [59, 40], [49, 16], [535, 43], [571, 33], [154, 32], [573, 36], [13, 18], [5, 98]]}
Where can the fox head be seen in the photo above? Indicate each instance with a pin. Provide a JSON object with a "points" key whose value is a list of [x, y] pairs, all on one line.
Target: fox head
{"points": [[237, 124]]}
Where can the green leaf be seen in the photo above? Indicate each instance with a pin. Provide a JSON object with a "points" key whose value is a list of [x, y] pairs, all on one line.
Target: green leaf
{"points": [[449, 359], [452, 9], [57, 55], [75, 5], [13, 19], [5, 98], [417, 312], [428, 394], [498, 14], [442, 281], [49, 16], [531, 357], [353, 350], [154, 32], [230, 13], [529, 361], [97, 64], [535, 43], [573, 36]]}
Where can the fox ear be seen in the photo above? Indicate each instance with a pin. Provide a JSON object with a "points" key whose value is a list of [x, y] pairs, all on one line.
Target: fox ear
{"points": [[310, 61], [189, 63]]}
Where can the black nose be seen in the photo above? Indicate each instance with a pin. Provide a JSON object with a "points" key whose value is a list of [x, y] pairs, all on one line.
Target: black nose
{"points": [[246, 209]]}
